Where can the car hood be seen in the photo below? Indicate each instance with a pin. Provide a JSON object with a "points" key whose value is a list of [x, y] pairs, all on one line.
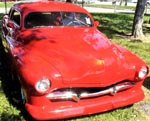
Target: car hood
{"points": [[82, 56]]}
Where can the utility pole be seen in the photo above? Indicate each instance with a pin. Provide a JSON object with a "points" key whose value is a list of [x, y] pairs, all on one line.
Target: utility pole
{"points": [[5, 7]]}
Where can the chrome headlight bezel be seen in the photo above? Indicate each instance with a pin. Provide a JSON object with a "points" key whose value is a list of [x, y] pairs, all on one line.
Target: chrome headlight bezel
{"points": [[43, 85], [143, 72]]}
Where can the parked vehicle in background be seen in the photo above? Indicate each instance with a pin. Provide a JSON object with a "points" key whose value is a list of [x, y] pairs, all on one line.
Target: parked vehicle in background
{"points": [[85, 1], [66, 67], [148, 2]]}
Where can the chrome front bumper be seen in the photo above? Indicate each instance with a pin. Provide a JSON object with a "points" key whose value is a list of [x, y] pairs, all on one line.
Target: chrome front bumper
{"points": [[71, 95]]}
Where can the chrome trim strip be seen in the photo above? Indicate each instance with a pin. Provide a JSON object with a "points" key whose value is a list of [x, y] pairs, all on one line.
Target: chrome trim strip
{"points": [[63, 96]]}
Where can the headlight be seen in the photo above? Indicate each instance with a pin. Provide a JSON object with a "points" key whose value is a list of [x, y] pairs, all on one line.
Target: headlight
{"points": [[143, 72], [43, 85]]}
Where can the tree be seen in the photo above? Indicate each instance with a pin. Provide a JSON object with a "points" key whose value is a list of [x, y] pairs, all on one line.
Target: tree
{"points": [[121, 1], [137, 30], [114, 4], [126, 2]]}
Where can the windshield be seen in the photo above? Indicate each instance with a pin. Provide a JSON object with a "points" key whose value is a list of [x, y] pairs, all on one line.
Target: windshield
{"points": [[42, 19]]}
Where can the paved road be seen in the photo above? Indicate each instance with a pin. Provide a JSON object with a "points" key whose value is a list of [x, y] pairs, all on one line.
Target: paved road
{"points": [[90, 9], [93, 9], [2, 10], [100, 10], [106, 10]]}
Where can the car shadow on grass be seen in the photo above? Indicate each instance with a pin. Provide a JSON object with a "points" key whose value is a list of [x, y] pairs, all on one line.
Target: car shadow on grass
{"points": [[10, 117]]}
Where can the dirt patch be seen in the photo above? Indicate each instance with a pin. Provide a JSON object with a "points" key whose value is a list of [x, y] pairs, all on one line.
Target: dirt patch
{"points": [[145, 107], [145, 38]]}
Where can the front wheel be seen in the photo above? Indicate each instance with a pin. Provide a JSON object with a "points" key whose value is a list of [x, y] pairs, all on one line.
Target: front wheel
{"points": [[25, 114]]}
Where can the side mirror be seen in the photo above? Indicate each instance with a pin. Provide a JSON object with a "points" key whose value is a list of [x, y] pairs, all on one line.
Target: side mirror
{"points": [[10, 24], [96, 23]]}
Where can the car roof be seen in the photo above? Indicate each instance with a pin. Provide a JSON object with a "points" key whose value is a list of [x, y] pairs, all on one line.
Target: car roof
{"points": [[47, 6]]}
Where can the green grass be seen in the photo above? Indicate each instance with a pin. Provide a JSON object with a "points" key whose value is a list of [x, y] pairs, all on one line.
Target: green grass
{"points": [[112, 24], [116, 27], [8, 112], [115, 24], [9, 4], [139, 48]]}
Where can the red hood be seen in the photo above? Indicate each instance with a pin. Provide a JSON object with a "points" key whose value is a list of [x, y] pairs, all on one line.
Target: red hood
{"points": [[82, 57]]}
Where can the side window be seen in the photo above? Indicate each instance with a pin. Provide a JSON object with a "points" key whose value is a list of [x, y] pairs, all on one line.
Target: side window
{"points": [[15, 16]]}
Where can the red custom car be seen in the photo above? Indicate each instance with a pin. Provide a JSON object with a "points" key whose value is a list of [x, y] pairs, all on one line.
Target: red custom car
{"points": [[66, 67]]}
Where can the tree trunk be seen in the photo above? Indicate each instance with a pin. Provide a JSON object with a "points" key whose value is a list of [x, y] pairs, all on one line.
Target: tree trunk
{"points": [[126, 2], [121, 1], [114, 4], [137, 30]]}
